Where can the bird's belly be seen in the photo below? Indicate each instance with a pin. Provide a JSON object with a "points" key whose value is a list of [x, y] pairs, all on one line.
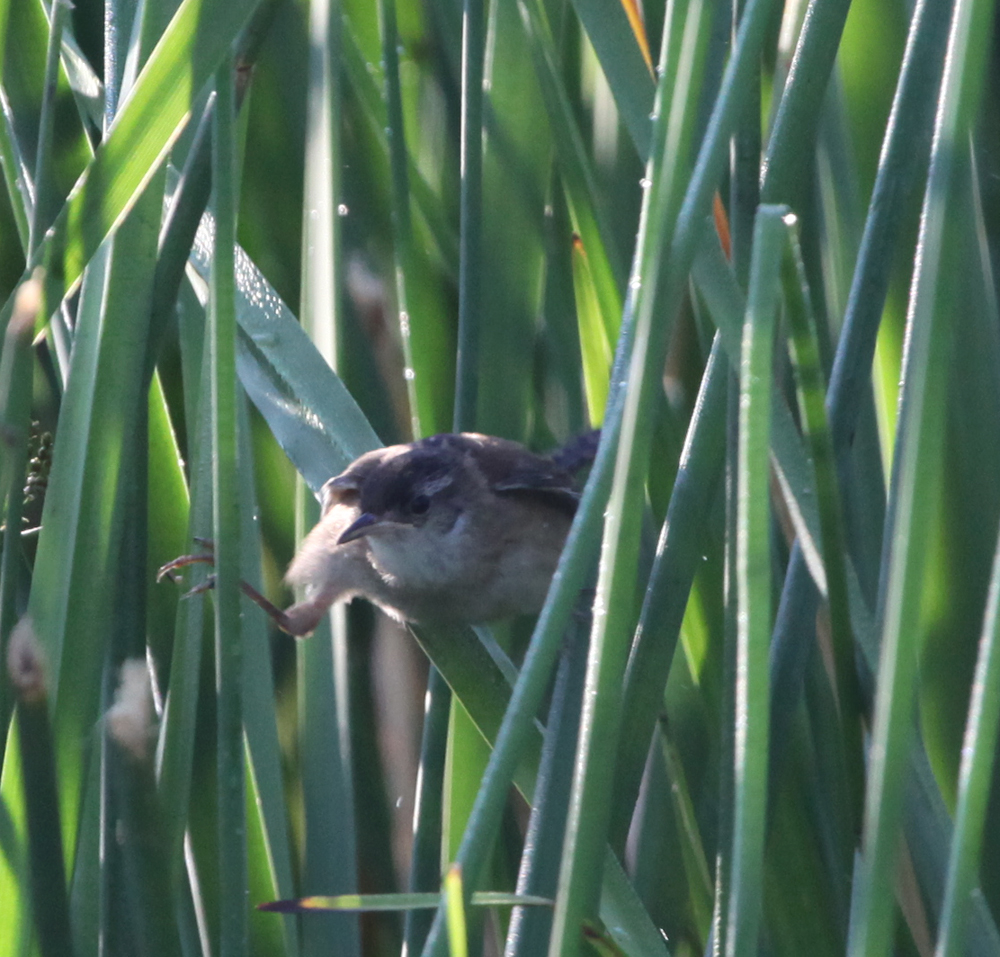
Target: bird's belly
{"points": [[457, 580], [415, 567]]}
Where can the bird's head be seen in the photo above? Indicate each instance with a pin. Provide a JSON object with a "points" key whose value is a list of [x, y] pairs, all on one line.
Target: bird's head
{"points": [[420, 490]]}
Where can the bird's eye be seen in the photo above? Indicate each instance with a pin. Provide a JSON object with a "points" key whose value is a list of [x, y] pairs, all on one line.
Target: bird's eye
{"points": [[420, 504]]}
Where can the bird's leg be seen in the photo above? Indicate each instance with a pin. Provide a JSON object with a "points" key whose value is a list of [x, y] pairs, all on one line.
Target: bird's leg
{"points": [[300, 624]]}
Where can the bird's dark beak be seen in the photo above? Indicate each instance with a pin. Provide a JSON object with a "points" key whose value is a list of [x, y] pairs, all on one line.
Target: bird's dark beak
{"points": [[358, 528]]}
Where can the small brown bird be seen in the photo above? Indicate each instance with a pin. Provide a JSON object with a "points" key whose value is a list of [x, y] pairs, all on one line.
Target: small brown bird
{"points": [[460, 528]]}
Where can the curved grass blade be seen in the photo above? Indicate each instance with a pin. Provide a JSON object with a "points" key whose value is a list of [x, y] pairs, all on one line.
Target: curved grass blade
{"points": [[146, 125], [312, 415]]}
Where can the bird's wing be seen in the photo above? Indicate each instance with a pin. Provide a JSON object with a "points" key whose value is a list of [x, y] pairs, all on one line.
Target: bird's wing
{"points": [[511, 470]]}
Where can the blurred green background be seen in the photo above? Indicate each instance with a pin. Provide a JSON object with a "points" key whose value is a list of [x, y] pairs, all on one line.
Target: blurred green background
{"points": [[764, 724]]}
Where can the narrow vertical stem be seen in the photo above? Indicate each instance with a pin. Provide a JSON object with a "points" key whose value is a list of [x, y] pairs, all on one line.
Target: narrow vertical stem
{"points": [[401, 235], [26, 671], [974, 779], [330, 860], [753, 587], [724, 852], [226, 520], [321, 254], [15, 423], [46, 202], [425, 861], [470, 243], [744, 170]]}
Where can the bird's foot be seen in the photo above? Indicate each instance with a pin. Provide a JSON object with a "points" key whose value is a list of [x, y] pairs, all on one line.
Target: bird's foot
{"points": [[286, 624]]}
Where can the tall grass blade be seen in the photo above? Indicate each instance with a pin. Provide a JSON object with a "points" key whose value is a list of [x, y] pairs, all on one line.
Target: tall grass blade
{"points": [[916, 468], [677, 555], [909, 123], [626, 64], [47, 198], [753, 584], [539, 873], [805, 351], [26, 670], [144, 129], [15, 420], [222, 400], [595, 346], [975, 778], [785, 168], [313, 416], [330, 853], [586, 828], [470, 261], [425, 857]]}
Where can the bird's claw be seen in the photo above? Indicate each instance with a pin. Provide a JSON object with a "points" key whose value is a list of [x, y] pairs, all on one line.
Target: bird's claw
{"points": [[207, 585], [168, 570]]}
